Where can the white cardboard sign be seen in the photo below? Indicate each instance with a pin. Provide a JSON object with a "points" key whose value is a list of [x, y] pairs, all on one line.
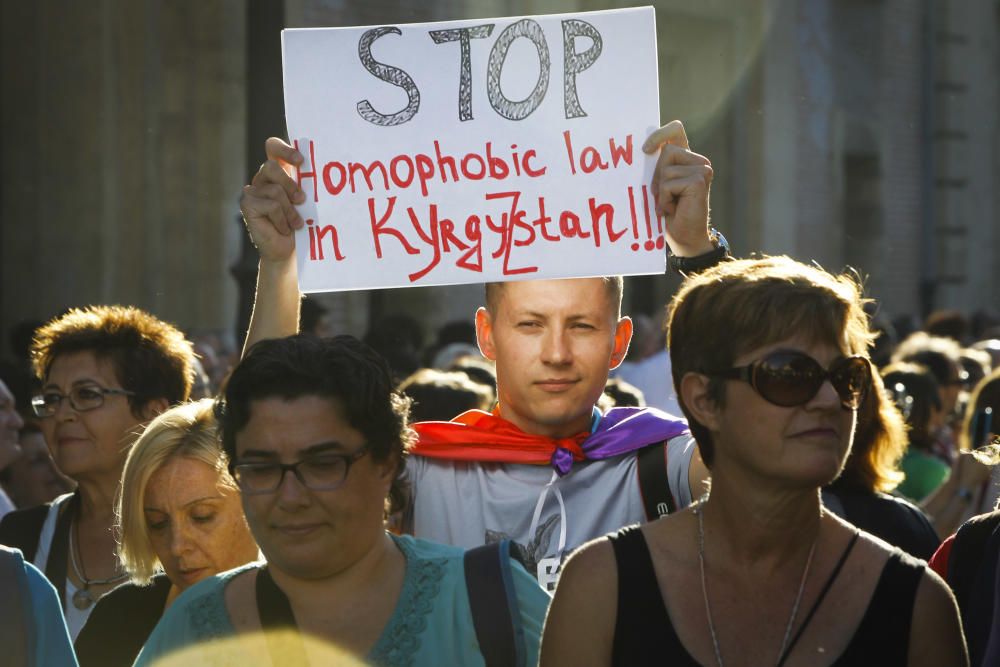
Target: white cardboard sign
{"points": [[475, 151]]}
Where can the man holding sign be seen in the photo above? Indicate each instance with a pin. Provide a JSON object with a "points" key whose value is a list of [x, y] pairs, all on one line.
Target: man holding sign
{"points": [[554, 343], [545, 469]]}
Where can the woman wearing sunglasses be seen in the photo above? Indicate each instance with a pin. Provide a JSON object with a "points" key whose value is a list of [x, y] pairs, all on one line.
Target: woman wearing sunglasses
{"points": [[317, 438], [105, 372], [770, 364]]}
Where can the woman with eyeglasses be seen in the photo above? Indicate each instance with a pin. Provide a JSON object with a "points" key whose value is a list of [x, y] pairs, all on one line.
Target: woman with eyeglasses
{"points": [[179, 521], [105, 372], [317, 438], [770, 365]]}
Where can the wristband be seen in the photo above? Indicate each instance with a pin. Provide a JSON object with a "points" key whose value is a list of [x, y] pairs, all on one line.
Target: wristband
{"points": [[685, 265]]}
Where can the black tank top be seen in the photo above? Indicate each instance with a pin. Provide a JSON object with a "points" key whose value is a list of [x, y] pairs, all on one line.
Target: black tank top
{"points": [[644, 634]]}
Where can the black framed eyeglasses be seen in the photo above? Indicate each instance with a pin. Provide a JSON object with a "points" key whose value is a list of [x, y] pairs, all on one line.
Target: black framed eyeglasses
{"points": [[82, 398], [789, 378], [321, 472]]}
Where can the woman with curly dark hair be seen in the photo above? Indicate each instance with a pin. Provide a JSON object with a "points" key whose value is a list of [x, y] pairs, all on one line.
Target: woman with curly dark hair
{"points": [[106, 371]]}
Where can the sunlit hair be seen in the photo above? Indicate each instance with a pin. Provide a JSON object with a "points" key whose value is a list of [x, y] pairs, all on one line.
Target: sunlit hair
{"points": [[441, 395], [986, 394], [342, 369], [614, 284], [151, 358], [189, 431], [941, 356], [879, 442], [741, 305]]}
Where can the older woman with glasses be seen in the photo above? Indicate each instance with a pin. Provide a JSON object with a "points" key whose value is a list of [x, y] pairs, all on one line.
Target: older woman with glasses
{"points": [[317, 438], [105, 371], [770, 364], [179, 521]]}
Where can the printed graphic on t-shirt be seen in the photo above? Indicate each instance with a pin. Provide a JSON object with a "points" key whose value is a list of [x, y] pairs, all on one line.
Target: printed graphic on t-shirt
{"points": [[532, 555]]}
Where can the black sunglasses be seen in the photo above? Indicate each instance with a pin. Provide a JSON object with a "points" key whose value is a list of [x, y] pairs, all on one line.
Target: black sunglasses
{"points": [[788, 379]]}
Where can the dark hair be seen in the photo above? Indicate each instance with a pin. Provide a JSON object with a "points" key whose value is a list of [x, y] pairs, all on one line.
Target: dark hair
{"points": [[947, 324], [480, 371], [940, 355], [985, 395], [624, 394], [915, 391], [440, 395], [342, 369], [151, 358]]}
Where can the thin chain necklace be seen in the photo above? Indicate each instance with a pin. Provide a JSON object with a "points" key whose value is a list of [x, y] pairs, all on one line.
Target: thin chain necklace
{"points": [[82, 599], [708, 607]]}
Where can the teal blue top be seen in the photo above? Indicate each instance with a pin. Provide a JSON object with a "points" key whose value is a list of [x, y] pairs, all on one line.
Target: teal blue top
{"points": [[431, 625], [52, 643]]}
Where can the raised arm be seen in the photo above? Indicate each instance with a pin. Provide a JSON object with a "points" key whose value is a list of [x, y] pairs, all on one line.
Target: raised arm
{"points": [[268, 209], [950, 504], [681, 183]]}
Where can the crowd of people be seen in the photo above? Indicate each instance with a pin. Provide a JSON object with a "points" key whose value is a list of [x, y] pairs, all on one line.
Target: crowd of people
{"points": [[767, 487]]}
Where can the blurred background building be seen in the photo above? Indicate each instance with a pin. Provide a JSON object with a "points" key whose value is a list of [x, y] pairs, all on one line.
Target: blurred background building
{"points": [[849, 132]]}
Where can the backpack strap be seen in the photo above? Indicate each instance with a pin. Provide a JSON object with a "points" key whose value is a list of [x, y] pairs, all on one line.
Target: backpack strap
{"points": [[493, 602], [14, 629], [22, 529], [654, 485]]}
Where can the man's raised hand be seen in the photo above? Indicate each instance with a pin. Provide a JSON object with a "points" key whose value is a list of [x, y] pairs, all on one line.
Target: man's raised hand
{"points": [[268, 203], [681, 183]]}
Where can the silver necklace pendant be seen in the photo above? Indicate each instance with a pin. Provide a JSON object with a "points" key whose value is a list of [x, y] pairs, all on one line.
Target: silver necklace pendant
{"points": [[82, 599]]}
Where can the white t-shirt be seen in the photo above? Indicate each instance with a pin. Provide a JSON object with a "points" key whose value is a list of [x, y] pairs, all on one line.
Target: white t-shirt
{"points": [[6, 504], [652, 377], [468, 504], [75, 618]]}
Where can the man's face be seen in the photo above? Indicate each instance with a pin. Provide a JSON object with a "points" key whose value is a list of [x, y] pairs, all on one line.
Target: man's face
{"points": [[10, 426], [553, 342]]}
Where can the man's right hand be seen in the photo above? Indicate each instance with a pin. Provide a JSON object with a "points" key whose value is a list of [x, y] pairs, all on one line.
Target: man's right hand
{"points": [[268, 207], [268, 203]]}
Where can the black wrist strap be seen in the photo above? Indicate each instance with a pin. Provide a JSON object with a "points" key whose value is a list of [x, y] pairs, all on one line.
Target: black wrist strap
{"points": [[687, 265]]}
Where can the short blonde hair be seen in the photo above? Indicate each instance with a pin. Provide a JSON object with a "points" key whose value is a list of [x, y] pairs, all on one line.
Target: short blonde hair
{"points": [[189, 430]]}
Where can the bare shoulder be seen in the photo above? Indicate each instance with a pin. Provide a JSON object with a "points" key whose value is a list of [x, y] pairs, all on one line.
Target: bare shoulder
{"points": [[589, 567], [936, 630], [671, 539], [873, 549], [584, 605]]}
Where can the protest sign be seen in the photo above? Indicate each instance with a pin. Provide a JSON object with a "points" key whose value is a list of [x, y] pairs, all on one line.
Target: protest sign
{"points": [[475, 151]]}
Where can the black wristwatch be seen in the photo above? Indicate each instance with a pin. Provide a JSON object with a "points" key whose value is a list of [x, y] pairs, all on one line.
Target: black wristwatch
{"points": [[686, 265]]}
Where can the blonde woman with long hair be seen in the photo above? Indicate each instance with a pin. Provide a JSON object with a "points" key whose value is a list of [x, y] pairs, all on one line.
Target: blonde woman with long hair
{"points": [[179, 521]]}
